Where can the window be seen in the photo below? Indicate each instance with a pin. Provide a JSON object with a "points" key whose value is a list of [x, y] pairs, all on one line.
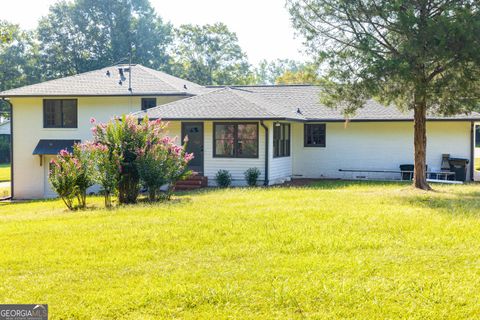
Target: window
{"points": [[314, 135], [281, 140], [60, 113], [477, 136], [148, 103], [235, 140]]}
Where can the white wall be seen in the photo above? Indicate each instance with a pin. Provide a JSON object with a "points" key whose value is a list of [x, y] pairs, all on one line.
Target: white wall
{"points": [[376, 146], [280, 169], [29, 176], [236, 166]]}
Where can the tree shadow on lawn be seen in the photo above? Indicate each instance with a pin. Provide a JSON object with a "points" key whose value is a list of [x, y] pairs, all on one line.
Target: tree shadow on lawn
{"points": [[450, 200], [341, 184], [445, 202]]}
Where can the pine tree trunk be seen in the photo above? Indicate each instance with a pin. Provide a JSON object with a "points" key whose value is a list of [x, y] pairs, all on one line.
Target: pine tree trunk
{"points": [[420, 143]]}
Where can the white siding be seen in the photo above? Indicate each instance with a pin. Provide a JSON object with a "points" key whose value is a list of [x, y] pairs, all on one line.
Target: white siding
{"points": [[236, 166], [29, 177], [280, 169], [376, 146]]}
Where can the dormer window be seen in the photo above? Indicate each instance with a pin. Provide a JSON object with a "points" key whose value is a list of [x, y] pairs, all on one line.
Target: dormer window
{"points": [[148, 103]]}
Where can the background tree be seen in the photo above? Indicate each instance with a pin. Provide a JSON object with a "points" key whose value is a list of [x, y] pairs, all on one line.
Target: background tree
{"points": [[210, 55], [6, 31], [422, 55], [18, 61], [306, 74], [89, 34], [268, 71]]}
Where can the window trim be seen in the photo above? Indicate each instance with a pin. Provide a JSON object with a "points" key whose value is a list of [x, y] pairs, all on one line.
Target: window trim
{"points": [[235, 140], [145, 98], [305, 145], [287, 142], [45, 126]]}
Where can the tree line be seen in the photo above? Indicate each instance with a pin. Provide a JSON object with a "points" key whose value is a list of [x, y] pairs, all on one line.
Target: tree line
{"points": [[85, 35]]}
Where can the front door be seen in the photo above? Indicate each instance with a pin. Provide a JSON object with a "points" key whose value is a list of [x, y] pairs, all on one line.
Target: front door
{"points": [[194, 131]]}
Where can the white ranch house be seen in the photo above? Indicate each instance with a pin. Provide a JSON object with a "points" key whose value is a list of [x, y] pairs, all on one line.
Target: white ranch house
{"points": [[282, 130]]}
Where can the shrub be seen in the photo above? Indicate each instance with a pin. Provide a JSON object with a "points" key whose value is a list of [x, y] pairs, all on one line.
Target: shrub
{"points": [[128, 153], [251, 176], [85, 169], [163, 163], [70, 175], [122, 154], [107, 169], [223, 178], [123, 137]]}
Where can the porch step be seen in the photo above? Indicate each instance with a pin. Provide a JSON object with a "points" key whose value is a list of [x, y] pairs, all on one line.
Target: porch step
{"points": [[195, 181]]}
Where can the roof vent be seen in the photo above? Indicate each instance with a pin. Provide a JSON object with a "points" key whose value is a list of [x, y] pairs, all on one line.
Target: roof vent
{"points": [[299, 111], [120, 82], [108, 73], [122, 75], [185, 86]]}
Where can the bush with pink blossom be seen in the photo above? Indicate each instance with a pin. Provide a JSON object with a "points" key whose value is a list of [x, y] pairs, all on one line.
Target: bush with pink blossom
{"points": [[130, 153], [162, 164], [71, 175], [123, 155], [123, 137]]}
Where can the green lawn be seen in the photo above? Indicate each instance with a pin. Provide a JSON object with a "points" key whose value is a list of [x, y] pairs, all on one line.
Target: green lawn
{"points": [[4, 172], [477, 164], [333, 251]]}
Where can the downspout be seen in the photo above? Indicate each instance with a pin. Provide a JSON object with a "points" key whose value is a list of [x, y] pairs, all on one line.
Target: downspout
{"points": [[266, 152], [11, 146]]}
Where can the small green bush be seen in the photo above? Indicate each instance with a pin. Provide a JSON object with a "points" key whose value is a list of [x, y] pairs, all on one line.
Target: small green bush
{"points": [[223, 178], [251, 176]]}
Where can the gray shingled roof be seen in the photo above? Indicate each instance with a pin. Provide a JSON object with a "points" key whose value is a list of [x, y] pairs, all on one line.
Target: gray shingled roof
{"points": [[290, 102], [221, 103], [145, 81]]}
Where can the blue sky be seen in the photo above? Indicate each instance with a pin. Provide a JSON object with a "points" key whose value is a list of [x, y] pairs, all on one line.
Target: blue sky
{"points": [[263, 26]]}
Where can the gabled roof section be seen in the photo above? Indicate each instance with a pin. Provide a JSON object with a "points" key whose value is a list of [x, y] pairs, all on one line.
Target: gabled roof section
{"points": [[106, 82], [306, 98], [283, 102], [221, 103]]}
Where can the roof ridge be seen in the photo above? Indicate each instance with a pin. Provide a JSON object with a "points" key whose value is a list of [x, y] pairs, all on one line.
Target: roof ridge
{"points": [[263, 85], [267, 101], [235, 91], [185, 99], [167, 75], [57, 79], [152, 72]]}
